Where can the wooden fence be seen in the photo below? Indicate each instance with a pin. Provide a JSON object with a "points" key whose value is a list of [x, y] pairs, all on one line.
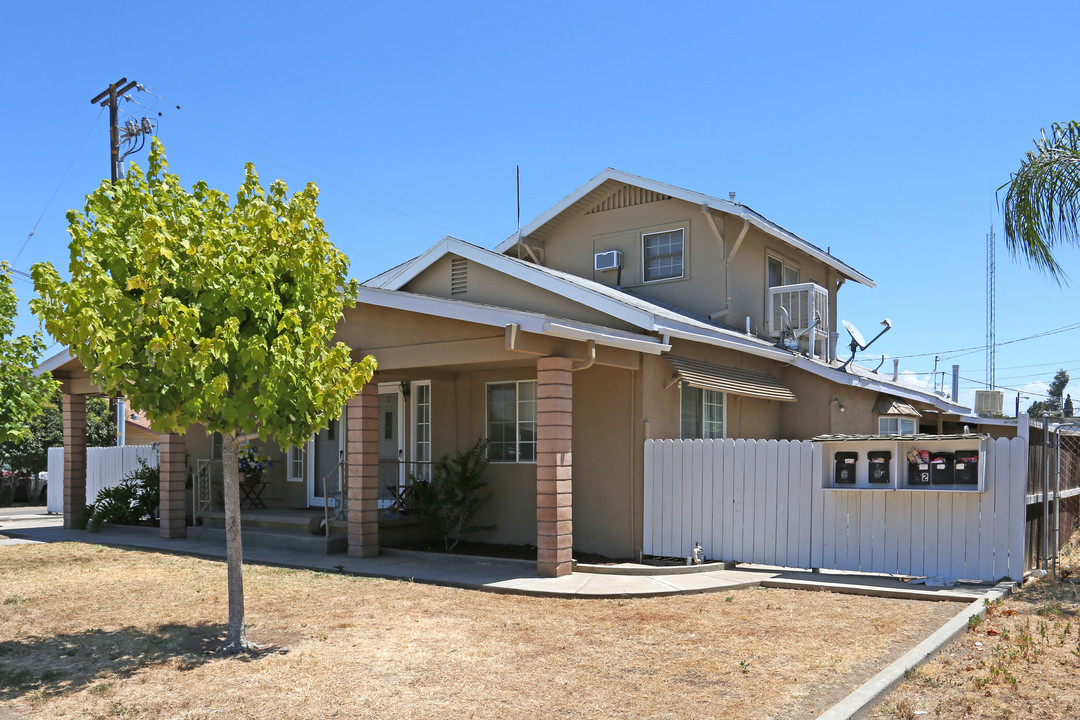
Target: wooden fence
{"points": [[105, 467], [763, 502]]}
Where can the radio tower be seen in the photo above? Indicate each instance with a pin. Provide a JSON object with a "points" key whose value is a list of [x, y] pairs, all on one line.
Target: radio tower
{"points": [[991, 290]]}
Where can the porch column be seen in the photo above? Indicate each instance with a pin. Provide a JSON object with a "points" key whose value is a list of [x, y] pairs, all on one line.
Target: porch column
{"points": [[554, 466], [74, 412], [362, 458], [172, 462]]}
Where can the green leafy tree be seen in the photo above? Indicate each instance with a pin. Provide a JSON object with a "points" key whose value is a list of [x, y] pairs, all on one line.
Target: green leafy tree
{"points": [[1042, 204], [203, 310], [1053, 404], [22, 395], [1067, 409]]}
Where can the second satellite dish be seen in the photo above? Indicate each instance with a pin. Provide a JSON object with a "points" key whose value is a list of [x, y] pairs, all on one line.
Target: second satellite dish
{"points": [[858, 342]]}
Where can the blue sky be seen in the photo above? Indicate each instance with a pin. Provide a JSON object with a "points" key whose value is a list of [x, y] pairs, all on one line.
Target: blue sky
{"points": [[880, 132]]}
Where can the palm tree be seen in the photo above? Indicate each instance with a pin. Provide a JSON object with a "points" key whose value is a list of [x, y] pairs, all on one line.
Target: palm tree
{"points": [[1042, 205]]}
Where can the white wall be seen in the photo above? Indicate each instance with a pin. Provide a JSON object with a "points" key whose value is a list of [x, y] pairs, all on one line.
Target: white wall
{"points": [[763, 502], [105, 467]]}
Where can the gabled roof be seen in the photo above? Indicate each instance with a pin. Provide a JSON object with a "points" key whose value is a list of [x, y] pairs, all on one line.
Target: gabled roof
{"points": [[612, 176], [649, 316]]}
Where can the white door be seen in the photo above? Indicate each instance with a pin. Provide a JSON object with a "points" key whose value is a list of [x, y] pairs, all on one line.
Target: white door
{"points": [[391, 439], [323, 467]]}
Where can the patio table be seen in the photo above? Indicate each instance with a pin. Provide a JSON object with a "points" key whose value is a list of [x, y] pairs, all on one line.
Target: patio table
{"points": [[251, 495]]}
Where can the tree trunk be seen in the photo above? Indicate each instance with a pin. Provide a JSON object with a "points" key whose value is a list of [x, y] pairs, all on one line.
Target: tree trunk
{"points": [[237, 641]]}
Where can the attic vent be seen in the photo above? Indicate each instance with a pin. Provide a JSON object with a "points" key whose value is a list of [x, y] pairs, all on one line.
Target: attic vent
{"points": [[459, 276], [628, 196]]}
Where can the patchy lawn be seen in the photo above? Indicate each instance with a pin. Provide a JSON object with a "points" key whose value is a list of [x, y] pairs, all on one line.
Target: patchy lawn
{"points": [[95, 632], [1021, 661]]}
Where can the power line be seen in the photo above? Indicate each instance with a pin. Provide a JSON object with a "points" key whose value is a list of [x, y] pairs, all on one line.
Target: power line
{"points": [[312, 177], [343, 199], [315, 163], [57, 188], [950, 354]]}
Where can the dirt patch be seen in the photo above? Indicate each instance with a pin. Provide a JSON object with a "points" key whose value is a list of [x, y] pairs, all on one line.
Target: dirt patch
{"points": [[1021, 661], [102, 632]]}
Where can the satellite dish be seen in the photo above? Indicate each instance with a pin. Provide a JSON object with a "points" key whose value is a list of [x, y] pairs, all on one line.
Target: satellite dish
{"points": [[789, 337], [858, 342]]}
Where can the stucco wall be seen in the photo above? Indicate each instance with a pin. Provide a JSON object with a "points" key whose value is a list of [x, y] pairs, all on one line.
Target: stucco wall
{"points": [[491, 287], [703, 289]]}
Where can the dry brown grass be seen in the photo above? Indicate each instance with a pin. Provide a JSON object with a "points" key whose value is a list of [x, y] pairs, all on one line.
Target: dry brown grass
{"points": [[94, 632], [1021, 661]]}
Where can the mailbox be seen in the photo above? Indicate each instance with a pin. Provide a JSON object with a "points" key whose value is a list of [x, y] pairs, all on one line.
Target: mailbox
{"points": [[918, 468], [941, 468], [845, 467], [966, 467], [879, 466]]}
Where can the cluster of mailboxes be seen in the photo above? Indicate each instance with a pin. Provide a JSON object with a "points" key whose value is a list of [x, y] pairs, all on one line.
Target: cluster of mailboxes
{"points": [[926, 463]]}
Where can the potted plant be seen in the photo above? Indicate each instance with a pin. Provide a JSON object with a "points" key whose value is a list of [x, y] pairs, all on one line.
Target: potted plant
{"points": [[252, 465]]}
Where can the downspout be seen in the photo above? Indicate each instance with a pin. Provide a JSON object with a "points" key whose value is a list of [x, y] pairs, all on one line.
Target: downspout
{"points": [[705, 210], [589, 361], [727, 267]]}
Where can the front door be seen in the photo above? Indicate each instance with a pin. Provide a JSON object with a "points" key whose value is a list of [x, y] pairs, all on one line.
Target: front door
{"points": [[324, 470], [391, 446]]}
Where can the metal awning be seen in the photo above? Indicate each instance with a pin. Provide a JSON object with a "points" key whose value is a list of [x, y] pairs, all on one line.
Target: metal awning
{"points": [[707, 376], [890, 405]]}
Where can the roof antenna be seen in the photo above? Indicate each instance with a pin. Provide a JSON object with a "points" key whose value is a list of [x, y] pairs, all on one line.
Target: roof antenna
{"points": [[858, 342], [519, 210]]}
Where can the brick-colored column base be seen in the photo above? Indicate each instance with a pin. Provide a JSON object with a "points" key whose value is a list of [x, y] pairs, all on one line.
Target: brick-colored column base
{"points": [[362, 458], [74, 412], [554, 466], [172, 458]]}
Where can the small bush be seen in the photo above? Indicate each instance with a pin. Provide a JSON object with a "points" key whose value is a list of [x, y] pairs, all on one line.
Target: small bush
{"points": [[134, 501], [454, 495]]}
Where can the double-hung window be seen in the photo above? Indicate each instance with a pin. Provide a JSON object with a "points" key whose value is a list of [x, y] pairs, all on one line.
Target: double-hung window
{"points": [[702, 413], [780, 272], [294, 464], [511, 421], [421, 395], [663, 255]]}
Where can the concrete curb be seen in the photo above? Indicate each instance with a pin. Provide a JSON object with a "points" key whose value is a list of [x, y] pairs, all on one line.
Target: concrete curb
{"points": [[860, 702]]}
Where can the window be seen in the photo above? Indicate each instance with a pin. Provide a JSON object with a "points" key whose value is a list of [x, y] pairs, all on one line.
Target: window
{"points": [[896, 426], [780, 273], [702, 413], [663, 253], [421, 396], [511, 409], [216, 443], [294, 464]]}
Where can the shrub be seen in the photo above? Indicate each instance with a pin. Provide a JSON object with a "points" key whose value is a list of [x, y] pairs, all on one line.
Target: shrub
{"points": [[134, 501], [455, 494]]}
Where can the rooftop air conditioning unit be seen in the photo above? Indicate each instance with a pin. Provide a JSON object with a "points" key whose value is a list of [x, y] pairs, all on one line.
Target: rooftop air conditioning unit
{"points": [[989, 402], [610, 260]]}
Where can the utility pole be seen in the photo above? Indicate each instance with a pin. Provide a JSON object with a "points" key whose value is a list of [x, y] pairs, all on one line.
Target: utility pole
{"points": [[107, 98]]}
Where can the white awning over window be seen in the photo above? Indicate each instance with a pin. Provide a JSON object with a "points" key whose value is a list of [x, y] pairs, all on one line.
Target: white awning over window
{"points": [[707, 376]]}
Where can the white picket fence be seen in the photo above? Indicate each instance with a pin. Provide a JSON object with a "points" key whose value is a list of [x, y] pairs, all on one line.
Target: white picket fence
{"points": [[105, 467], [763, 502]]}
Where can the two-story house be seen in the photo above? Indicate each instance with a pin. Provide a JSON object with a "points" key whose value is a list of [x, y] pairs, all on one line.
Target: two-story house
{"points": [[630, 310]]}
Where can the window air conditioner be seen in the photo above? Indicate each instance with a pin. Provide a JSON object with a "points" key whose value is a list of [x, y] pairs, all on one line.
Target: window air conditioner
{"points": [[610, 260]]}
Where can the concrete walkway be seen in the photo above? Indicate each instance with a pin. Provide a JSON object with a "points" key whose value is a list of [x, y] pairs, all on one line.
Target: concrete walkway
{"points": [[490, 574]]}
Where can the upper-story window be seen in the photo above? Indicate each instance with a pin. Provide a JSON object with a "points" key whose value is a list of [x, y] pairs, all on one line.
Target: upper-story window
{"points": [[780, 272], [663, 254]]}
